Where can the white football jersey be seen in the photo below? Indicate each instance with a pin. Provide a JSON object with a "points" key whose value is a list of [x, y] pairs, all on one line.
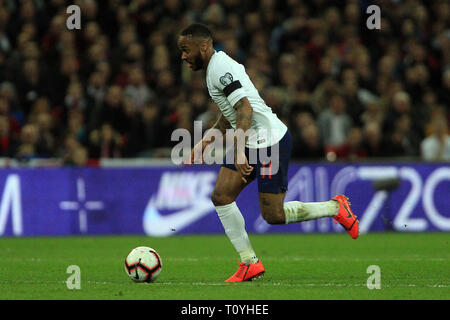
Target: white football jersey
{"points": [[227, 83]]}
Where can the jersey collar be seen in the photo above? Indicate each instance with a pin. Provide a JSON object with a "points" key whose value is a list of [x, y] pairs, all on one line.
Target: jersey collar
{"points": [[209, 63]]}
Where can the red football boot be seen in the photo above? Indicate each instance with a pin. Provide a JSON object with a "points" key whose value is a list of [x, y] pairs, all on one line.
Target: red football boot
{"points": [[346, 217], [247, 272]]}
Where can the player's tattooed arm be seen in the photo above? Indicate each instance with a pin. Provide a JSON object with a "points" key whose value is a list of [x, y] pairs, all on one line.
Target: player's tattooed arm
{"points": [[221, 124], [244, 114]]}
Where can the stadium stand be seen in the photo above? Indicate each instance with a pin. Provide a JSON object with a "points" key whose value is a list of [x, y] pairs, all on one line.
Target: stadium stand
{"points": [[117, 87]]}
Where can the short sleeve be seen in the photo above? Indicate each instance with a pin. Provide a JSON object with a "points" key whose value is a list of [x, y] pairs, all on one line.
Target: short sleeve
{"points": [[227, 78]]}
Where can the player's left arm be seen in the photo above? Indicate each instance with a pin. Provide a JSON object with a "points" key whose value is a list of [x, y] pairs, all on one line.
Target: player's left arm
{"points": [[244, 115], [226, 78]]}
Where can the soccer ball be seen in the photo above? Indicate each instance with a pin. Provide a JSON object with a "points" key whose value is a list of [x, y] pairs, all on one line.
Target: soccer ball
{"points": [[143, 264]]}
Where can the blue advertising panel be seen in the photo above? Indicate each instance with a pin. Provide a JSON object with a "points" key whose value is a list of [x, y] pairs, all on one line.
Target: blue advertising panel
{"points": [[166, 201]]}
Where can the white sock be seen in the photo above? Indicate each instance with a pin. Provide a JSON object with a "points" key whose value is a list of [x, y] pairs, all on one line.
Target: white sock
{"points": [[296, 211], [234, 224]]}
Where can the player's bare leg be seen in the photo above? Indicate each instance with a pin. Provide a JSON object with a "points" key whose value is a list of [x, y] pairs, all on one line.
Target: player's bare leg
{"points": [[271, 205], [229, 185]]}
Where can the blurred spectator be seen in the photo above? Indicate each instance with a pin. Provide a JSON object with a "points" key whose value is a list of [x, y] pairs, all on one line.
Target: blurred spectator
{"points": [[105, 143], [28, 143], [403, 139], [372, 113], [353, 149], [401, 108], [306, 138], [321, 95], [75, 98], [111, 111], [76, 126], [96, 89], [67, 147], [373, 139], [350, 88], [31, 84], [74, 154], [46, 143], [334, 123], [8, 141], [147, 135], [139, 93], [13, 121], [436, 147], [79, 157]]}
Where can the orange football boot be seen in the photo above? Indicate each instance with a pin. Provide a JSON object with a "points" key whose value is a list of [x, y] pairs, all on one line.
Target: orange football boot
{"points": [[247, 272], [346, 217]]}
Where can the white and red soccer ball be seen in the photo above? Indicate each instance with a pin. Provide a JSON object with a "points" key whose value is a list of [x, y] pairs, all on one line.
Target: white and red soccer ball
{"points": [[143, 264]]}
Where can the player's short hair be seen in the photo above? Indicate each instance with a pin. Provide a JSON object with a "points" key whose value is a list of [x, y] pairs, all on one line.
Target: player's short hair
{"points": [[197, 30]]}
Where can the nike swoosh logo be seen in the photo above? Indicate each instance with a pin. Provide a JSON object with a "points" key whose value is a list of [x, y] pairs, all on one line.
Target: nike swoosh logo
{"points": [[349, 214], [156, 224]]}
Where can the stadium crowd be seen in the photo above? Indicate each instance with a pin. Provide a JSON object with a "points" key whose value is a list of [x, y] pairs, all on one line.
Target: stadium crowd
{"points": [[117, 88]]}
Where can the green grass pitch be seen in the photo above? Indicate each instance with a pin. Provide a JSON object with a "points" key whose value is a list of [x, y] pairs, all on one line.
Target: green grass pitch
{"points": [[303, 266]]}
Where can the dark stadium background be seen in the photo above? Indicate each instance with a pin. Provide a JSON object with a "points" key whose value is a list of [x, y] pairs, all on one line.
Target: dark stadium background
{"points": [[117, 88]]}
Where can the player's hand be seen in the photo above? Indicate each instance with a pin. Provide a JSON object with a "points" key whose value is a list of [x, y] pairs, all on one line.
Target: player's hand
{"points": [[242, 166], [197, 153]]}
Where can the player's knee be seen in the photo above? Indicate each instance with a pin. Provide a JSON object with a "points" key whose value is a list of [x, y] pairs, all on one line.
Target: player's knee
{"points": [[273, 215], [219, 199]]}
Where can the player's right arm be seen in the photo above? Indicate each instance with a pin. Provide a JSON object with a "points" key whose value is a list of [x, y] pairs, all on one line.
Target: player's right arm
{"points": [[222, 125]]}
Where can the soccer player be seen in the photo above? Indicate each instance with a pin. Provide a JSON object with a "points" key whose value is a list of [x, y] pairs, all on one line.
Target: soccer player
{"points": [[245, 111]]}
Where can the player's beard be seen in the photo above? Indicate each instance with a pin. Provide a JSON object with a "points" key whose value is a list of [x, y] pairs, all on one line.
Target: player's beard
{"points": [[198, 62]]}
